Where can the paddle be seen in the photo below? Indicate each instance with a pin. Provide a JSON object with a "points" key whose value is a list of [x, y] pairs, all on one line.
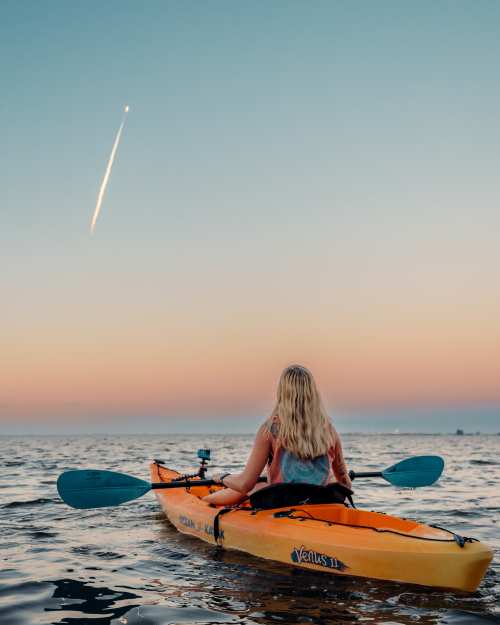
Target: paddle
{"points": [[89, 488], [411, 473]]}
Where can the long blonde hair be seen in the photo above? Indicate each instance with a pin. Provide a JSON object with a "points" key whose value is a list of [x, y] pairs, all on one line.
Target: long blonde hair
{"points": [[304, 426]]}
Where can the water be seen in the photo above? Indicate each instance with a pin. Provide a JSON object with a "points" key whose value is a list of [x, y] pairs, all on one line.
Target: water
{"points": [[129, 566]]}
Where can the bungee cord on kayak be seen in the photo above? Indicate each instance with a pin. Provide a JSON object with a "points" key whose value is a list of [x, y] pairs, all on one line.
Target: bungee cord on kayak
{"points": [[457, 538]]}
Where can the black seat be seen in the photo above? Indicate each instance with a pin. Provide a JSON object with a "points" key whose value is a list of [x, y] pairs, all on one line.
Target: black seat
{"points": [[296, 494]]}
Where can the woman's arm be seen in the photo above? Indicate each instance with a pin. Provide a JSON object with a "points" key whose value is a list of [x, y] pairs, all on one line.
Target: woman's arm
{"points": [[244, 482], [339, 466]]}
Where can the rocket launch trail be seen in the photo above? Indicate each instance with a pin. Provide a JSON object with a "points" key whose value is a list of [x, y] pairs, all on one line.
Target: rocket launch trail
{"points": [[107, 173]]}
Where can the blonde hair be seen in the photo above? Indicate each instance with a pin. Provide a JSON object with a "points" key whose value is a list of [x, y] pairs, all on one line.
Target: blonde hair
{"points": [[304, 427]]}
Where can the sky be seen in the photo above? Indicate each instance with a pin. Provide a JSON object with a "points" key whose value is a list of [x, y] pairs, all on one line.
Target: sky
{"points": [[296, 182]]}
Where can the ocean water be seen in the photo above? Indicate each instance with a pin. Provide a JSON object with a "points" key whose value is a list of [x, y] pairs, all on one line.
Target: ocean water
{"points": [[129, 566]]}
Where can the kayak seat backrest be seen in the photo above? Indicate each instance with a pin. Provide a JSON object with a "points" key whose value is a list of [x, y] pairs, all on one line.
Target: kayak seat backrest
{"points": [[295, 494]]}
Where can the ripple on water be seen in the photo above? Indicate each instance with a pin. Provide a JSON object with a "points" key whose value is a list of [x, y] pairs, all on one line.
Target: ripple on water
{"points": [[28, 504], [165, 615], [461, 617]]}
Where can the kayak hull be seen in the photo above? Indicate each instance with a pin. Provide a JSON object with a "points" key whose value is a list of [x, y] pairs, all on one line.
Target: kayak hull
{"points": [[338, 540]]}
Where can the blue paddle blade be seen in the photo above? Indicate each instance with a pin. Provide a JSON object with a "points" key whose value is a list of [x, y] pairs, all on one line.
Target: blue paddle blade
{"points": [[414, 472], [89, 488]]}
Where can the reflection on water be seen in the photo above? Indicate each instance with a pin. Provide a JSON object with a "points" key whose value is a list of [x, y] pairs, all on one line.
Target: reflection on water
{"points": [[128, 566]]}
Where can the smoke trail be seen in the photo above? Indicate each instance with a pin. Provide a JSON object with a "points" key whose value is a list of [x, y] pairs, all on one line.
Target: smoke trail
{"points": [[104, 183]]}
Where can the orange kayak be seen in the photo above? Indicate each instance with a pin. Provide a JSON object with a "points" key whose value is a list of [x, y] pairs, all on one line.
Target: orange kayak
{"points": [[331, 538]]}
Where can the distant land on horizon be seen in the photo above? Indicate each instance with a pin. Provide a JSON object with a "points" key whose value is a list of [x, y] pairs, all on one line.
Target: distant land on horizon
{"points": [[202, 434]]}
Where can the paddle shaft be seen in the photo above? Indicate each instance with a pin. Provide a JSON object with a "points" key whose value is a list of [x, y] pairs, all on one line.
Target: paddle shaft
{"points": [[353, 475], [183, 484], [190, 483]]}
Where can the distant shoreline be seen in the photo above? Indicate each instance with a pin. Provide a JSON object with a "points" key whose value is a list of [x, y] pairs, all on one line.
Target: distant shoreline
{"points": [[233, 434]]}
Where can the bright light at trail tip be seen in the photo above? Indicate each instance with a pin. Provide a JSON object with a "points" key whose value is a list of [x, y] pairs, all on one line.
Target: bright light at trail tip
{"points": [[127, 108]]}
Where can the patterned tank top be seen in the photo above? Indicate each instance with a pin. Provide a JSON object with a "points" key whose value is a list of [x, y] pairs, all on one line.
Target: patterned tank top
{"points": [[284, 466]]}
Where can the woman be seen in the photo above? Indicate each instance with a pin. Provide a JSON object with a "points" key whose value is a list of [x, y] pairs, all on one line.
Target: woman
{"points": [[297, 443]]}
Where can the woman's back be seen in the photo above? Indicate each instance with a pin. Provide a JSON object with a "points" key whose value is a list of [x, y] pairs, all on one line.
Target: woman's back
{"points": [[286, 466]]}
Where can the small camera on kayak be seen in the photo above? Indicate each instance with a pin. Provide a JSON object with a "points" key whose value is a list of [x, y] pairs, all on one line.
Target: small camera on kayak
{"points": [[204, 454]]}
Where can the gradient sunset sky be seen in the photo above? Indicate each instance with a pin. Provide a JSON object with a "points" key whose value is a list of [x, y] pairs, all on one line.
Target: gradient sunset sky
{"points": [[313, 182]]}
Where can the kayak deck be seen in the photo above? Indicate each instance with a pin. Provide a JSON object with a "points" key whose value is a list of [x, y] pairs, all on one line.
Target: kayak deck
{"points": [[331, 538]]}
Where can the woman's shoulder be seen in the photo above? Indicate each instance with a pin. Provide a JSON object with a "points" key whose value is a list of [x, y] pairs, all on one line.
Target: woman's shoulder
{"points": [[271, 426]]}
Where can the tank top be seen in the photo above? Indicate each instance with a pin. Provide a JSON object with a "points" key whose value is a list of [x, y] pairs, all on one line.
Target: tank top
{"points": [[284, 466]]}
